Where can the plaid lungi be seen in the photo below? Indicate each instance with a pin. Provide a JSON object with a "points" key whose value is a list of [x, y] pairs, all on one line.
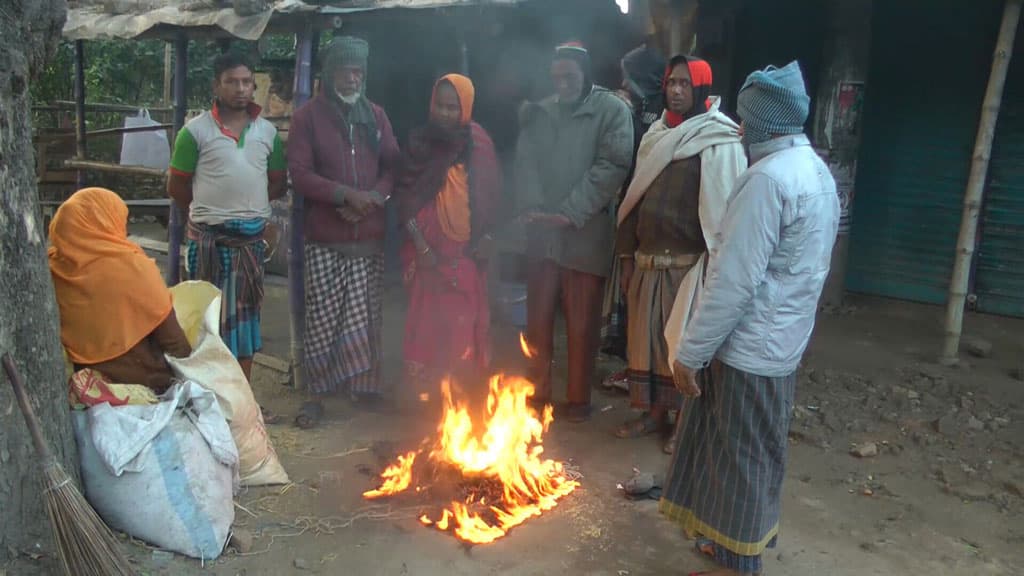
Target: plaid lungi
{"points": [[725, 477], [344, 316], [230, 256], [652, 293]]}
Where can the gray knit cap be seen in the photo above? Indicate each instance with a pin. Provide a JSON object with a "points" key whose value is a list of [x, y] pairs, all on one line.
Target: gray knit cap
{"points": [[773, 101], [346, 51]]}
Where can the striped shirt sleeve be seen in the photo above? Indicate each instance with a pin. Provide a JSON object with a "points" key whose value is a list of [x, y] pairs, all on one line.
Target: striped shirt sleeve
{"points": [[186, 153]]}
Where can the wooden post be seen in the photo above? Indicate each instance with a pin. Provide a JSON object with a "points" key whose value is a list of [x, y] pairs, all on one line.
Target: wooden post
{"points": [[176, 223], [80, 138], [305, 42], [168, 72], [974, 193]]}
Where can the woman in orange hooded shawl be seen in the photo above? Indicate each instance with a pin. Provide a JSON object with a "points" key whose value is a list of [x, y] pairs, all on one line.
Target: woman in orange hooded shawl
{"points": [[116, 314], [448, 189]]}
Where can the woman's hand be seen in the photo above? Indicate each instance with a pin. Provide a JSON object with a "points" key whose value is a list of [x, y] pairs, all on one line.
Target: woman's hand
{"points": [[484, 248], [426, 258]]}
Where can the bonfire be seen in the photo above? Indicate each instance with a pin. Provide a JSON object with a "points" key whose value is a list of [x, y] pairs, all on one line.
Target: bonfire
{"points": [[492, 469]]}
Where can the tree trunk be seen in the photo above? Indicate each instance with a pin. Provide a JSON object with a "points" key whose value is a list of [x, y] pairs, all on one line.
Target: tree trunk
{"points": [[29, 331]]}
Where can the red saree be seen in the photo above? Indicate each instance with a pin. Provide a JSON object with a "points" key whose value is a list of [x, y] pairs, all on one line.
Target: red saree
{"points": [[450, 185]]}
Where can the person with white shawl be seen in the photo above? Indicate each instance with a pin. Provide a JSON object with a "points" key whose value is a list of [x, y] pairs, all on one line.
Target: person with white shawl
{"points": [[687, 165]]}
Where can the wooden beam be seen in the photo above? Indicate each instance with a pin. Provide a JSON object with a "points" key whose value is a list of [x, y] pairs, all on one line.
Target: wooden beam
{"points": [[97, 107], [103, 132], [83, 165], [974, 195]]}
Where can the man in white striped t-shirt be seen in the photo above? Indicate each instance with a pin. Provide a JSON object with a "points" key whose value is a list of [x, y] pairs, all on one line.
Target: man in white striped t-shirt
{"points": [[228, 164]]}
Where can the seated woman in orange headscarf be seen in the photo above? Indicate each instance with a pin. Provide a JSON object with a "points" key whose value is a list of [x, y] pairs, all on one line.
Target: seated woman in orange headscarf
{"points": [[448, 189], [116, 314]]}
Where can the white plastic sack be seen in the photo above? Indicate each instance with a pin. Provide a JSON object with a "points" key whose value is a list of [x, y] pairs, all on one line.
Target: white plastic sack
{"points": [[149, 149], [197, 306], [163, 473]]}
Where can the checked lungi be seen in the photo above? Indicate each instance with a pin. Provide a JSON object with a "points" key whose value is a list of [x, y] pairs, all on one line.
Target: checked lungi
{"points": [[725, 477], [230, 256], [344, 317]]}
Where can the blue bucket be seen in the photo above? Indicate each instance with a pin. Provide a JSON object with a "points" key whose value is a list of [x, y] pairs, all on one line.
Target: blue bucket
{"points": [[512, 302]]}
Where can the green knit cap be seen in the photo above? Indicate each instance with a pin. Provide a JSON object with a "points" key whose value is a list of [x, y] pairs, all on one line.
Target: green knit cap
{"points": [[346, 51]]}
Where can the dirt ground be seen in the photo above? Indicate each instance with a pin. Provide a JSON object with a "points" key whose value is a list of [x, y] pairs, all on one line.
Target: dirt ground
{"points": [[943, 495]]}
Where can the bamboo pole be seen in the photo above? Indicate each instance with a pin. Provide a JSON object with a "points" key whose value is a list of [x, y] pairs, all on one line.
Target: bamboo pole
{"points": [[80, 138], [305, 47], [83, 165], [974, 193], [175, 218], [168, 73]]}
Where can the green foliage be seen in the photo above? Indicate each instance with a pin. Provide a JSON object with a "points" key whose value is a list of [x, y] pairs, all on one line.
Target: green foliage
{"points": [[132, 71]]}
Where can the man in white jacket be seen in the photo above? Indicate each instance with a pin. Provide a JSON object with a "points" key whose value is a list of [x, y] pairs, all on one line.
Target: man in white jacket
{"points": [[739, 353]]}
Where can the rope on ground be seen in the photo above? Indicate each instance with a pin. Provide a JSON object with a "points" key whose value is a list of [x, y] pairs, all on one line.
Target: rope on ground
{"points": [[328, 525], [333, 456]]}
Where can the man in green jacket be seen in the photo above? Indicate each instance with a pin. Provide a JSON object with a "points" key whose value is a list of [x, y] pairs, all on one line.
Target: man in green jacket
{"points": [[573, 154]]}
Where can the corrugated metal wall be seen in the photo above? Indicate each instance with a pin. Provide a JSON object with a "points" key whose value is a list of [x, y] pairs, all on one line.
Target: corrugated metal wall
{"points": [[999, 276], [927, 76]]}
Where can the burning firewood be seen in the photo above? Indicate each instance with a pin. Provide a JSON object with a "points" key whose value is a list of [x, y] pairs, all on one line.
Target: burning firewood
{"points": [[490, 471]]}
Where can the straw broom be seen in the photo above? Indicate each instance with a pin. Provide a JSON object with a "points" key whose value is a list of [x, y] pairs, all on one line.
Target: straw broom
{"points": [[84, 543]]}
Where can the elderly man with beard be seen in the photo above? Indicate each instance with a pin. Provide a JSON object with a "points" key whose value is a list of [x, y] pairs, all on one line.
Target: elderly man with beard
{"points": [[573, 154], [341, 155], [686, 167], [737, 361]]}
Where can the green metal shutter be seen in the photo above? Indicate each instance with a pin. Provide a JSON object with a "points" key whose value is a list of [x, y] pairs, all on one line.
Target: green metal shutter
{"points": [[999, 275], [928, 70]]}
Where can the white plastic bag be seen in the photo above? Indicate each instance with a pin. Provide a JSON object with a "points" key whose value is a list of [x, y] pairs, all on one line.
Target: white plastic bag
{"points": [[149, 149], [163, 472], [212, 366]]}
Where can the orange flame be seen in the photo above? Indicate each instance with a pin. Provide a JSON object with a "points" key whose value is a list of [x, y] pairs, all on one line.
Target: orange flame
{"points": [[528, 351], [506, 446], [397, 477]]}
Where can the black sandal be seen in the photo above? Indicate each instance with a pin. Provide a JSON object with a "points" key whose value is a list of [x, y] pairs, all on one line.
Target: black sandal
{"points": [[638, 428], [269, 417], [309, 415]]}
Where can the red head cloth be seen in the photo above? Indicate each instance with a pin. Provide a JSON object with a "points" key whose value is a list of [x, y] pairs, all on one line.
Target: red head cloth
{"points": [[700, 79]]}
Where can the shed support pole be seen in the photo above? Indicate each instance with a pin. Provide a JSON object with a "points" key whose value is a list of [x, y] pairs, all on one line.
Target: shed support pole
{"points": [[974, 193], [304, 43], [176, 220], [80, 138]]}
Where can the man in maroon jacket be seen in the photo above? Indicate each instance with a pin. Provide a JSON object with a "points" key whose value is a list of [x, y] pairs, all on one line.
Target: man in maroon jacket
{"points": [[341, 153]]}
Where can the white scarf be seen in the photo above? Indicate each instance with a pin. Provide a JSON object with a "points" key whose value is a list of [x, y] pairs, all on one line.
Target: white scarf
{"points": [[715, 138]]}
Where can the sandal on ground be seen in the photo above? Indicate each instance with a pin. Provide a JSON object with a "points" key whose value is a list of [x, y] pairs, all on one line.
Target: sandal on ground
{"points": [[705, 546], [309, 415], [638, 428], [269, 417], [618, 380]]}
